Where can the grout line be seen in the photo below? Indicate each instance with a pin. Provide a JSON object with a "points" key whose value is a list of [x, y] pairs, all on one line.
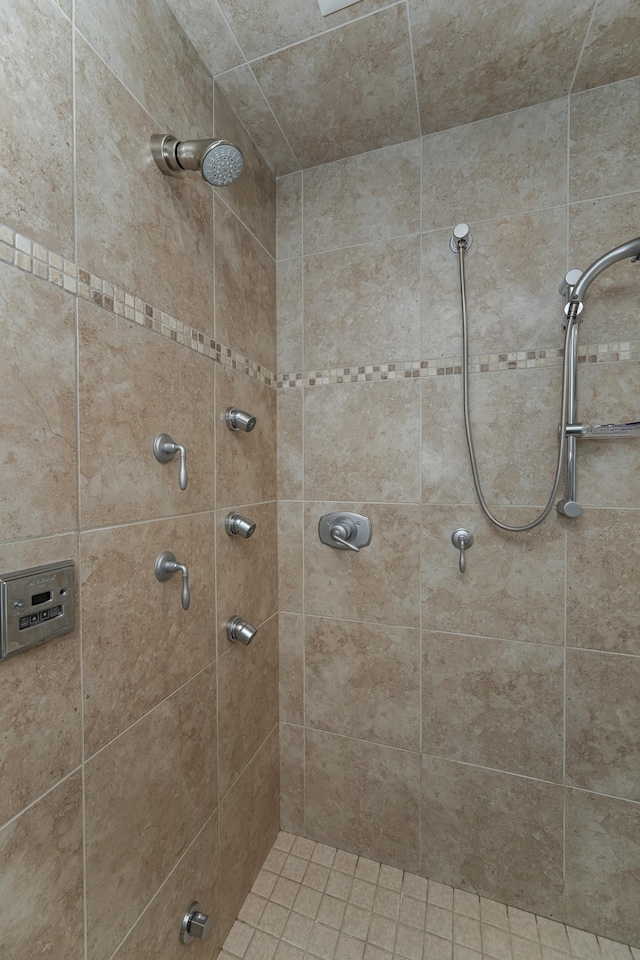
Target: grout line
{"points": [[415, 81], [275, 117], [583, 46], [267, 737], [220, 196], [303, 530], [421, 851], [41, 796], [322, 33]]}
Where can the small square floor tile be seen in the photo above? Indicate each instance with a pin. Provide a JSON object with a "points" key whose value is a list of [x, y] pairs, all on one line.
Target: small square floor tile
{"points": [[307, 902], [238, 939], [298, 930], [409, 942], [348, 948], [323, 854], [441, 895], [439, 921], [553, 934], [494, 913], [252, 909], [390, 878], [331, 911], [275, 860], [412, 912], [345, 862], [302, 847], [338, 885], [435, 948], [316, 876], [356, 921], [273, 919], [362, 894], [525, 949], [611, 950], [287, 951], [464, 953], [284, 892], [522, 924], [322, 942], [467, 903], [584, 945], [375, 953], [262, 947], [264, 883], [415, 886], [382, 933], [466, 932], [386, 903], [294, 868], [367, 870], [495, 943], [284, 841]]}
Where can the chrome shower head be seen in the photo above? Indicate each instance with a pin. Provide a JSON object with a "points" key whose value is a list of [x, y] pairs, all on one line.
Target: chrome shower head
{"points": [[219, 161]]}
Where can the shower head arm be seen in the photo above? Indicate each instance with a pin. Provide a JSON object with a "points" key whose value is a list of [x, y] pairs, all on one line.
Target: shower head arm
{"points": [[190, 153], [625, 250]]}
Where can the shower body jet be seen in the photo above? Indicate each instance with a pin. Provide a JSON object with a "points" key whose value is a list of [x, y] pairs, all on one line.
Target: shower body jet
{"points": [[219, 161]]}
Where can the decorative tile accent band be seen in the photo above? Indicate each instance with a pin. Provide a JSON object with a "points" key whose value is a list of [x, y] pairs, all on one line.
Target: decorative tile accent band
{"points": [[31, 257], [447, 366]]}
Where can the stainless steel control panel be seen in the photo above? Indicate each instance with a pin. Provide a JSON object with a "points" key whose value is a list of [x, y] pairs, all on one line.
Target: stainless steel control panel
{"points": [[36, 605]]}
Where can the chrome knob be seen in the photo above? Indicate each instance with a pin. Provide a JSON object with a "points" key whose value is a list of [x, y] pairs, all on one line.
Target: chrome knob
{"points": [[238, 526], [340, 533], [165, 566], [239, 629], [239, 420], [195, 924], [164, 450]]}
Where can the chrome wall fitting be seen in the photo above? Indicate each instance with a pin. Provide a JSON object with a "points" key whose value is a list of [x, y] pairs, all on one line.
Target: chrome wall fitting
{"points": [[165, 566], [195, 924], [239, 420], [238, 526], [239, 629], [461, 237], [165, 449], [345, 531], [219, 161], [462, 539]]}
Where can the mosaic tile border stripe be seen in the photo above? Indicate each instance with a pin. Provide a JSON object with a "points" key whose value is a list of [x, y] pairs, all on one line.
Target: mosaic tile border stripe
{"points": [[614, 352], [31, 257], [28, 255]]}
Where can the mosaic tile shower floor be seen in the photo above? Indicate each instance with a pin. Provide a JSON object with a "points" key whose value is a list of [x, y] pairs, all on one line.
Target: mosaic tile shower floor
{"points": [[314, 902]]}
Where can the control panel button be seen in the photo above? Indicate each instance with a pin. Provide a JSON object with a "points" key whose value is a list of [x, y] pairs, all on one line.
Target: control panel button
{"points": [[24, 622], [44, 615], [33, 618]]}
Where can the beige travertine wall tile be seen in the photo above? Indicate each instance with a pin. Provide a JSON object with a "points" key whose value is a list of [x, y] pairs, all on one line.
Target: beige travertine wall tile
{"points": [[446, 473], [41, 869], [40, 696], [499, 167], [249, 819], [605, 139], [603, 865], [290, 462], [596, 226], [611, 52], [36, 182], [602, 723], [495, 703], [374, 196], [150, 791], [608, 393], [289, 224], [502, 56], [292, 778], [289, 307], [196, 878], [362, 442], [207, 29], [362, 305], [483, 830], [138, 643], [247, 570], [291, 660], [245, 462], [246, 99], [512, 274], [253, 196], [379, 584], [129, 382], [290, 556], [513, 585], [168, 222], [602, 596], [363, 797], [366, 65], [515, 431], [248, 701], [245, 288], [39, 430], [363, 680], [138, 41], [286, 22]]}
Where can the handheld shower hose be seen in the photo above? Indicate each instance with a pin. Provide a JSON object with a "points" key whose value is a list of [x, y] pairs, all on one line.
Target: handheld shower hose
{"points": [[562, 439]]}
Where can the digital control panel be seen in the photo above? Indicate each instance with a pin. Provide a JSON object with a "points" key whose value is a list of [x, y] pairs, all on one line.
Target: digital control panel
{"points": [[36, 605]]}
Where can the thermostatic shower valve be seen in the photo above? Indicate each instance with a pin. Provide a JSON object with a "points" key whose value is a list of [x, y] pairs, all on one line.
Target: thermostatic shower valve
{"points": [[345, 531]]}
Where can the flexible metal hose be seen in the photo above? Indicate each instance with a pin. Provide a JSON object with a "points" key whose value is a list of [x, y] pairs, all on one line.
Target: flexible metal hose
{"points": [[562, 440]]}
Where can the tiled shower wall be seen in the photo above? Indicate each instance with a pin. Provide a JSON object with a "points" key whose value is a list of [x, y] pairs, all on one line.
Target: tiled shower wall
{"points": [[139, 754], [483, 728]]}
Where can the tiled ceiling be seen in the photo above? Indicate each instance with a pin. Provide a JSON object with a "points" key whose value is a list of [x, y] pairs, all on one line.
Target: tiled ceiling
{"points": [[311, 89]]}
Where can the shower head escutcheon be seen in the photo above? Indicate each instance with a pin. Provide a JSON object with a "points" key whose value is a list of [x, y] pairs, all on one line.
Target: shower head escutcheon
{"points": [[219, 161]]}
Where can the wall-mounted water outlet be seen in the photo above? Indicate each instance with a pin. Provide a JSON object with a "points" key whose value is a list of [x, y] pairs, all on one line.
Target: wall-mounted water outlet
{"points": [[239, 419], [238, 526]]}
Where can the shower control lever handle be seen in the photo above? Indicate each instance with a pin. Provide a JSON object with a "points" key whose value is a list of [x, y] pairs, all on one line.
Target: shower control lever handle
{"points": [[165, 566], [165, 448], [462, 539], [340, 533]]}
